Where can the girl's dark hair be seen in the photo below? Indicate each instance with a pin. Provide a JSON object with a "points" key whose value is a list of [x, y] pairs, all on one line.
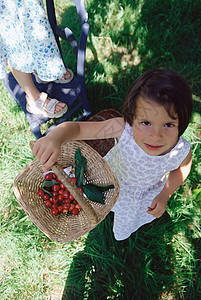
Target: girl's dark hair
{"points": [[165, 87]]}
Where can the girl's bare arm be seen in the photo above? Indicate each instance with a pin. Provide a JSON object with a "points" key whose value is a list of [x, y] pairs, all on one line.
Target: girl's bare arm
{"points": [[174, 180], [47, 149]]}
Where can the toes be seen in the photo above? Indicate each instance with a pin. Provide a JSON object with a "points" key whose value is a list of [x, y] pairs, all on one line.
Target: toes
{"points": [[59, 107], [67, 75]]}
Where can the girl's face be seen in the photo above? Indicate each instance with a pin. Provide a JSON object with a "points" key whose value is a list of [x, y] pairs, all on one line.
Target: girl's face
{"points": [[154, 130]]}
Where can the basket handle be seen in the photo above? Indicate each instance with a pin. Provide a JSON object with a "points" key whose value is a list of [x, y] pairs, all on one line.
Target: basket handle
{"points": [[69, 184]]}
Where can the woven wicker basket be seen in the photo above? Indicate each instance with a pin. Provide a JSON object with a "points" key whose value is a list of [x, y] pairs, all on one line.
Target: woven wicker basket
{"points": [[66, 228]]}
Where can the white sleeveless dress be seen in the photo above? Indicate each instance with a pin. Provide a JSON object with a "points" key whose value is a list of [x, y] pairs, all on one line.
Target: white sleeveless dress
{"points": [[141, 178]]}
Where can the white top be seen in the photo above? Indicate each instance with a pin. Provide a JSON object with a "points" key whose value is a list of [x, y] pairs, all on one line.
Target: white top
{"points": [[141, 178]]}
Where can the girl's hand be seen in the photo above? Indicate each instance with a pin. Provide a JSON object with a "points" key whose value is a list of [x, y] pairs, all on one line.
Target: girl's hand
{"points": [[46, 151], [158, 207]]}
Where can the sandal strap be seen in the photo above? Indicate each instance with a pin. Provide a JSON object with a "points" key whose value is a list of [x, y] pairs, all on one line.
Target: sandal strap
{"points": [[41, 100], [43, 97], [50, 107]]}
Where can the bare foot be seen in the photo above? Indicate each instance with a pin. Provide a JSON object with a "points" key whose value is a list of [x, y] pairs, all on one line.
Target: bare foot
{"points": [[59, 107], [67, 75]]}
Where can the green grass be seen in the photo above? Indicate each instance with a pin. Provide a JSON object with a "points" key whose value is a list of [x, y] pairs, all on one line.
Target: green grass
{"points": [[162, 260]]}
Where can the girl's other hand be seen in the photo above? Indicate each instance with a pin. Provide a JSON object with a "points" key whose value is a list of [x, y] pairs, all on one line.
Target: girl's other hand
{"points": [[46, 151], [158, 207]]}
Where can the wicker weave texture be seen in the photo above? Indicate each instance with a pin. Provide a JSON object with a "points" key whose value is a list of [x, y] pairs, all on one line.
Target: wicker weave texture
{"points": [[66, 228]]}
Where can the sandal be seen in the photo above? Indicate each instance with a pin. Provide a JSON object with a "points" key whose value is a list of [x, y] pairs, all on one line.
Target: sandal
{"points": [[59, 80], [37, 107]]}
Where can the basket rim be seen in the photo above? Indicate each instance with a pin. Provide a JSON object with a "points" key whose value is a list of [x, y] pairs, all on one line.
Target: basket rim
{"points": [[65, 238]]}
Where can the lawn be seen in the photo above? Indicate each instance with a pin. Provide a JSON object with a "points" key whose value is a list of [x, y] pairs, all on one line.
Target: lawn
{"points": [[161, 260]]}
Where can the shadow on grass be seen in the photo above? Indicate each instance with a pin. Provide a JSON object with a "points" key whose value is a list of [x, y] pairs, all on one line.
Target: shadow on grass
{"points": [[141, 35], [101, 94], [142, 267], [137, 268]]}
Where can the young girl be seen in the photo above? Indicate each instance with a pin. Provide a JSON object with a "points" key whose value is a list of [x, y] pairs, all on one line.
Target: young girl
{"points": [[27, 44], [156, 112]]}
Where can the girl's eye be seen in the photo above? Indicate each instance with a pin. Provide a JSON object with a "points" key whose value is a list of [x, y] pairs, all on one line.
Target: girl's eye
{"points": [[169, 125], [146, 123]]}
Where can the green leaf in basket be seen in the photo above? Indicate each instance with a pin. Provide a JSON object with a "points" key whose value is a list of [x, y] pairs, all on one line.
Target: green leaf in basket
{"points": [[80, 167], [47, 192], [104, 188], [96, 193], [46, 184]]}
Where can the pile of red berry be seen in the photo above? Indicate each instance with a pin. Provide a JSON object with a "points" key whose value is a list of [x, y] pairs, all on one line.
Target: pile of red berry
{"points": [[57, 197]]}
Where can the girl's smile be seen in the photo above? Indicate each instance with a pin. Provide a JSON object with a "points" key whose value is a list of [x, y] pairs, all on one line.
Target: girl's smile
{"points": [[154, 130], [152, 147]]}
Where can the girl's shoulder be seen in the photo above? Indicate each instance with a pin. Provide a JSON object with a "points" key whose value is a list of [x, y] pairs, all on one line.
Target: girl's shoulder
{"points": [[183, 145], [180, 151], [126, 131]]}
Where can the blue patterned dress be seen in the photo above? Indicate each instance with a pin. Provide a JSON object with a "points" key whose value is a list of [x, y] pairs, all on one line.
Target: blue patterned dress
{"points": [[27, 42]]}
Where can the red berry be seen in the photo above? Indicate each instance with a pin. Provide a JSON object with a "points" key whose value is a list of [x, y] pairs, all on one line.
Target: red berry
{"points": [[62, 186], [54, 194], [72, 206], [78, 206], [60, 208], [54, 176], [55, 199], [75, 211], [66, 206], [66, 201], [56, 188], [55, 205], [71, 197], [46, 197], [61, 191], [65, 194], [54, 211], [48, 203], [60, 197], [41, 193], [48, 176]]}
